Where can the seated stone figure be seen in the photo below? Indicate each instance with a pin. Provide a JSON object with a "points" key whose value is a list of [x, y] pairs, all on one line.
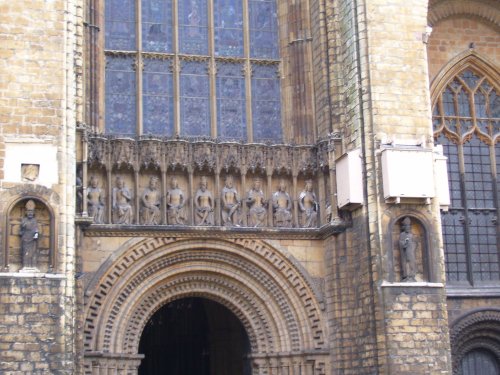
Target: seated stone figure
{"points": [[150, 203], [257, 204], [230, 203], [95, 201], [175, 204], [282, 207], [122, 210], [308, 205], [204, 204]]}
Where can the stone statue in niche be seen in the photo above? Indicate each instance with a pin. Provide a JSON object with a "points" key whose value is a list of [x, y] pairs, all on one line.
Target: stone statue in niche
{"points": [[257, 204], [150, 203], [282, 207], [122, 210], [204, 204], [175, 204], [79, 191], [95, 201], [29, 236], [308, 205], [407, 247], [230, 203]]}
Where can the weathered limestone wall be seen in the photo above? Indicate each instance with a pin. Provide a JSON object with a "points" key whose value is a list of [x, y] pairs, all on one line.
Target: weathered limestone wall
{"points": [[34, 334], [349, 292], [40, 87], [350, 302], [399, 109], [385, 97]]}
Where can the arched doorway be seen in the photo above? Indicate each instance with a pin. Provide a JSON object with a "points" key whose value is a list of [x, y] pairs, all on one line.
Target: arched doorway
{"points": [[194, 336], [265, 291], [479, 361]]}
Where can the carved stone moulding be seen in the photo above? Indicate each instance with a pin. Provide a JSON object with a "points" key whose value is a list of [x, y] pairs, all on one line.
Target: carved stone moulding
{"points": [[255, 157], [178, 154], [114, 152], [97, 151], [124, 152], [158, 231], [150, 153], [478, 329], [204, 155], [230, 156], [305, 160]]}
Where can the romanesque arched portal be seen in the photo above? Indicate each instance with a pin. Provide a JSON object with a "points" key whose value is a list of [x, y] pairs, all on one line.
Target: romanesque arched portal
{"points": [[272, 296]]}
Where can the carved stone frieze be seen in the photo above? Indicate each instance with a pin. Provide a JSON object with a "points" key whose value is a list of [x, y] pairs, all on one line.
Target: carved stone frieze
{"points": [[123, 152], [208, 154], [150, 153], [97, 147], [230, 156], [305, 160], [178, 155], [205, 155], [206, 162], [281, 159], [255, 158]]}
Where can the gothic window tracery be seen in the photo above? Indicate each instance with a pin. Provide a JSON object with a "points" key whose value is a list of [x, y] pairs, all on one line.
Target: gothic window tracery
{"points": [[466, 119], [194, 68]]}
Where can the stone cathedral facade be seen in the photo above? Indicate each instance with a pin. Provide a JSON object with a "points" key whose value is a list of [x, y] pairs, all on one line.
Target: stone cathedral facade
{"points": [[249, 187]]}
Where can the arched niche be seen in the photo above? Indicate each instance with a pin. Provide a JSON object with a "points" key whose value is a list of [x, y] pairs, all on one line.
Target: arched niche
{"points": [[46, 253], [424, 256]]}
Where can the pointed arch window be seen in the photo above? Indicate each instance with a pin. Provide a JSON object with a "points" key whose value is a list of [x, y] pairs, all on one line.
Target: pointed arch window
{"points": [[466, 120], [193, 68]]}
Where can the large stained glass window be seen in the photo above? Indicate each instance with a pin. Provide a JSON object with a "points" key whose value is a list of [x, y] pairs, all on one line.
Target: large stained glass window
{"points": [[466, 118], [193, 68]]}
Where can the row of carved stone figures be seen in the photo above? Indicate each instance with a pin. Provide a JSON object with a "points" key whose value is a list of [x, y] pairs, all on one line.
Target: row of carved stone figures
{"points": [[204, 204]]}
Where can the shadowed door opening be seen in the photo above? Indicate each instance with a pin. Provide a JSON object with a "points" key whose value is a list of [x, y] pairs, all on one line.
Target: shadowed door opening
{"points": [[194, 336]]}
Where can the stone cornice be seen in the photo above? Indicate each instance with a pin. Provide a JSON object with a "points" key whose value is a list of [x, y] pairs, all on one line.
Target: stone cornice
{"points": [[107, 230]]}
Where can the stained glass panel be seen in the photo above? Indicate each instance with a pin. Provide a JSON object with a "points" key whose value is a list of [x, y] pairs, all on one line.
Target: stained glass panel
{"points": [[266, 104], [470, 78], [157, 98], [469, 228], [156, 25], [120, 96], [263, 29], [193, 27], [195, 102], [480, 103], [494, 104], [478, 176], [448, 102], [231, 109], [483, 246], [455, 249], [463, 104], [228, 27], [120, 25]]}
